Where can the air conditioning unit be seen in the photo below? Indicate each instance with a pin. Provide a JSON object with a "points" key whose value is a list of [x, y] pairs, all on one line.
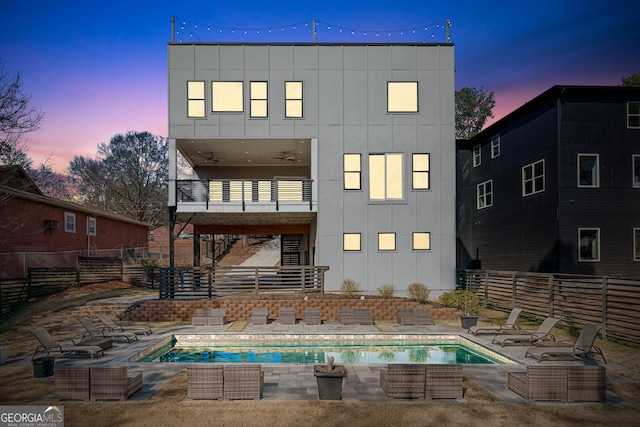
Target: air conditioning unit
{"points": [[50, 224]]}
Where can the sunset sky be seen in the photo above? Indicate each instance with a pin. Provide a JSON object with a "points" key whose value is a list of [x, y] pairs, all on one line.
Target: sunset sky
{"points": [[100, 69]]}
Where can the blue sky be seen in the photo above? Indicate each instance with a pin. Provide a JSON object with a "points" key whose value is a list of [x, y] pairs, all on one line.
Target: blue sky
{"points": [[97, 70]]}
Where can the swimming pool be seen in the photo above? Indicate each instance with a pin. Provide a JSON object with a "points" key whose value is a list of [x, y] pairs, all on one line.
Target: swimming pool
{"points": [[313, 349]]}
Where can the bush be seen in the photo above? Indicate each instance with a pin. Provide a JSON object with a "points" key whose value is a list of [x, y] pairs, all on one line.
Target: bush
{"points": [[386, 291], [349, 288], [464, 301], [418, 292]]}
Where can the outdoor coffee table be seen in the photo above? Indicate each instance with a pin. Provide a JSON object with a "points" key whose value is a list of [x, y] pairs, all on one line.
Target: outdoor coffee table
{"points": [[103, 343]]}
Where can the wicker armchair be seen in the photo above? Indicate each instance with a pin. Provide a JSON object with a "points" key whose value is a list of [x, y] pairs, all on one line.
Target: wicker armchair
{"points": [[112, 383], [422, 316], [243, 381], [259, 316], [346, 316], [560, 383], [405, 316], [205, 381], [403, 381], [312, 316], [363, 316], [72, 383], [287, 315], [443, 382]]}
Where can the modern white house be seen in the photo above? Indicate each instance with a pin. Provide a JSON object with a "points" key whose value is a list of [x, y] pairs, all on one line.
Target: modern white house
{"points": [[347, 151]]}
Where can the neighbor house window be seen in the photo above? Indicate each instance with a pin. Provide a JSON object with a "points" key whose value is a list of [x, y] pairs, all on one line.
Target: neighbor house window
{"points": [[227, 97], [636, 244], [258, 95], [293, 99], [495, 146], [421, 241], [420, 171], [69, 222], [352, 172], [402, 97], [633, 115], [636, 170], [91, 226], [588, 166], [589, 244], [351, 242], [386, 241], [385, 176], [477, 159], [485, 194], [195, 99], [533, 178]]}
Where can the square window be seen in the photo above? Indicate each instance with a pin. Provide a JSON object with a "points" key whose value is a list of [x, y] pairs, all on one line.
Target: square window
{"points": [[195, 99], [402, 97], [351, 242], [293, 99], [495, 146], [91, 226], [352, 172], [258, 99], [386, 241], [420, 166], [69, 222], [588, 165], [588, 244], [485, 194], [227, 97], [421, 241], [533, 178], [633, 115], [636, 170], [477, 159]]}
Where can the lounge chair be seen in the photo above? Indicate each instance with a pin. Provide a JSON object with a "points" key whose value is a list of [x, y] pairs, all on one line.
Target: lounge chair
{"points": [[520, 337], [94, 332], [582, 347], [363, 316], [113, 326], [287, 315], [259, 316], [49, 345], [496, 329], [312, 316], [347, 316]]}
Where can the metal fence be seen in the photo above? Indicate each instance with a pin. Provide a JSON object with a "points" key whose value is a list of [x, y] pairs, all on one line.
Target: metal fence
{"points": [[611, 302]]}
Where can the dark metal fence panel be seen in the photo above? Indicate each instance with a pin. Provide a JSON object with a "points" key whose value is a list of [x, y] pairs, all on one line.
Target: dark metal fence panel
{"points": [[13, 293], [99, 269], [144, 277]]}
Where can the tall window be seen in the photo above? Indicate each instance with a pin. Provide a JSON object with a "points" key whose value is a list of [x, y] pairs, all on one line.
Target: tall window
{"points": [[351, 242], [91, 226], [352, 172], [636, 170], [484, 193], [495, 146], [386, 241], [588, 166], [258, 103], [402, 97], [385, 176], [589, 244], [633, 115], [69, 222], [195, 99], [293, 99], [420, 171], [477, 159], [227, 97], [636, 244], [421, 241], [533, 178]]}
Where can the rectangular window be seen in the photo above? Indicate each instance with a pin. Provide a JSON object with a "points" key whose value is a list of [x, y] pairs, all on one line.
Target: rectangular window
{"points": [[421, 241], [386, 241], [533, 178], [420, 174], [195, 99], [91, 226], [485, 194], [402, 97], [258, 99], [636, 244], [227, 97], [495, 146], [589, 244], [293, 99], [351, 242], [385, 176], [352, 172], [69, 222], [477, 159], [588, 166], [633, 115], [636, 170]]}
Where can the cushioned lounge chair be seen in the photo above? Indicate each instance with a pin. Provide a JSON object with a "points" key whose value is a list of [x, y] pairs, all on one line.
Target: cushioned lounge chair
{"points": [[94, 332], [49, 345], [583, 346], [496, 329], [520, 337], [113, 326]]}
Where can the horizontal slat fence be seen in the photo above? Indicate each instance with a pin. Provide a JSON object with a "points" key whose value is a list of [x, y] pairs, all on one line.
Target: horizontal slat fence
{"points": [[99, 269], [13, 293], [613, 303]]}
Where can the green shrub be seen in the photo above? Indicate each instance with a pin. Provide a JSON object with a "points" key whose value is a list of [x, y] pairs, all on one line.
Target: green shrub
{"points": [[349, 288], [461, 300], [418, 292], [387, 291]]}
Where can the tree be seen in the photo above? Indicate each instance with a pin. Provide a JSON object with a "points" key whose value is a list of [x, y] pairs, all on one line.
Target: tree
{"points": [[53, 184], [17, 117], [632, 80], [129, 177], [473, 107]]}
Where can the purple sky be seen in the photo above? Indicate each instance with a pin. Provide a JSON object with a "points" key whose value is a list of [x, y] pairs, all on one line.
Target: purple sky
{"points": [[97, 70]]}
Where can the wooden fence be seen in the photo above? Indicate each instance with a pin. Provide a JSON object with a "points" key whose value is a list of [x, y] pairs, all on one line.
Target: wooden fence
{"points": [[611, 302], [205, 282]]}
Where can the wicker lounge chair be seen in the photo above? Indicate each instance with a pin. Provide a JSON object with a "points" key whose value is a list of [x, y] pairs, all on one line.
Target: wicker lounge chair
{"points": [[521, 337], [259, 316], [583, 346], [205, 381], [405, 316], [112, 383], [560, 383], [113, 326], [243, 381], [403, 381], [312, 316], [496, 329], [72, 383], [48, 345], [92, 331], [287, 315], [346, 316]]}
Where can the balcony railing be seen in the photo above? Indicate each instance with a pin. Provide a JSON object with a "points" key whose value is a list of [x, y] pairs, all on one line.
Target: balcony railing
{"points": [[245, 191]]}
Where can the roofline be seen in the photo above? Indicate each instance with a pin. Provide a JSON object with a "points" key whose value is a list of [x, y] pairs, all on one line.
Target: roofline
{"points": [[303, 44]]}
